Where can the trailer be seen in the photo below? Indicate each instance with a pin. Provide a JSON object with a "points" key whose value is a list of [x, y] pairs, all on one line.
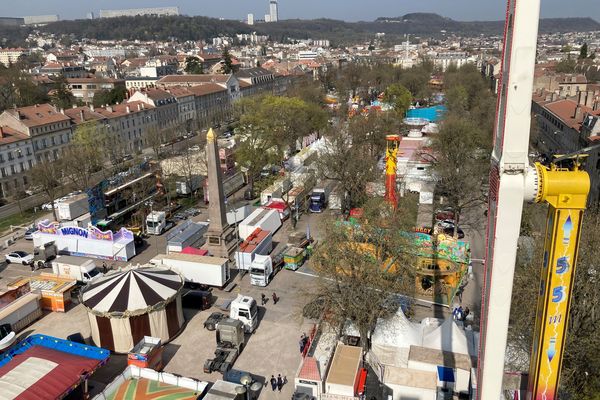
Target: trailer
{"points": [[262, 218], [197, 270], [276, 191], [231, 184], [294, 257], [73, 207], [185, 187], [260, 242], [187, 234]]}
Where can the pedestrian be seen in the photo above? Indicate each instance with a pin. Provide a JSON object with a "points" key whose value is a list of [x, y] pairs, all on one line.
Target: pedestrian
{"points": [[466, 313], [263, 299], [273, 382], [459, 313], [275, 298], [459, 293], [302, 343], [104, 269], [32, 266], [279, 382]]}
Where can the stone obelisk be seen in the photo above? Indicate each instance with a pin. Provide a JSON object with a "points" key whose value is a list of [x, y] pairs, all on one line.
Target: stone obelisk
{"points": [[220, 238]]}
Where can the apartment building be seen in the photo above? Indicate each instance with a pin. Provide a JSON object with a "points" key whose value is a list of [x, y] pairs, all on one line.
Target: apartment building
{"points": [[10, 55], [213, 103], [186, 107], [84, 89], [16, 157], [165, 103], [48, 129], [229, 82]]}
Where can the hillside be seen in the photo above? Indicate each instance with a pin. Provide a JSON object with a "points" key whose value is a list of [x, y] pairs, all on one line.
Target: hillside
{"points": [[196, 28]]}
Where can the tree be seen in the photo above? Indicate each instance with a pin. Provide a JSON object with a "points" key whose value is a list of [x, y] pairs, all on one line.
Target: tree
{"points": [[365, 269], [580, 377], [47, 175], [113, 96], [566, 66], [155, 138], [399, 97], [255, 150], [18, 89], [583, 52], [61, 96], [82, 154], [457, 99], [227, 62], [461, 162], [193, 65]]}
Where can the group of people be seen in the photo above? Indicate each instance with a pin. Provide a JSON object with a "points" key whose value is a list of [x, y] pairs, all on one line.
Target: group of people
{"points": [[277, 383], [263, 299], [460, 314]]}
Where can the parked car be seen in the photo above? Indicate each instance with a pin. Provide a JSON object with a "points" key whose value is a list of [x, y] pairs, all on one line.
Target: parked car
{"points": [[445, 214], [19, 257], [194, 148], [212, 321], [449, 230], [29, 233]]}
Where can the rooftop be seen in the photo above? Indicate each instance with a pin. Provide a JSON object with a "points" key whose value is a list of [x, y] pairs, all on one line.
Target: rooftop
{"points": [[439, 357], [9, 135], [194, 79], [37, 115]]}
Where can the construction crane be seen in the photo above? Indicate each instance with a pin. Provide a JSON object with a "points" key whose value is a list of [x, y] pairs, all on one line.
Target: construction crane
{"points": [[513, 181], [391, 163]]}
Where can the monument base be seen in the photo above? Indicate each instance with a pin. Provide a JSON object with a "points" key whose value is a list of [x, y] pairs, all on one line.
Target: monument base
{"points": [[221, 244]]}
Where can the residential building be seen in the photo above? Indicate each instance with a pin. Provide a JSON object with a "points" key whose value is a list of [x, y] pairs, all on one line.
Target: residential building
{"points": [[568, 125], [250, 20], [132, 12], [165, 104], [273, 11], [84, 89], [255, 80], [48, 129], [16, 157], [40, 19], [213, 103], [186, 107], [229, 82], [307, 55], [139, 82], [571, 84], [12, 22], [10, 55], [456, 58], [131, 121]]}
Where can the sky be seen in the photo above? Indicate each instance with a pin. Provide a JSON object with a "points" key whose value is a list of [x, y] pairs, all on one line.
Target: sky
{"points": [[348, 10]]}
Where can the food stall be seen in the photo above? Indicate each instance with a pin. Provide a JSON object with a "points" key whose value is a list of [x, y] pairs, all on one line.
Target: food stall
{"points": [[19, 307], [293, 257], [55, 290]]}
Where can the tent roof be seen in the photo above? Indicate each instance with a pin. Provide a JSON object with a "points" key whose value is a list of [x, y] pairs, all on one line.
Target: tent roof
{"points": [[132, 291], [397, 331], [447, 337]]}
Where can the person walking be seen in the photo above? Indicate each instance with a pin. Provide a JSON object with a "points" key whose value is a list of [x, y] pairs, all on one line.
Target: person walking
{"points": [[279, 382], [104, 269], [302, 343], [263, 299], [273, 382], [275, 298]]}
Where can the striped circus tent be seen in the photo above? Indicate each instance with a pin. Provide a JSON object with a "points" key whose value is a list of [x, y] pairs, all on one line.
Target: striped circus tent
{"points": [[127, 305]]}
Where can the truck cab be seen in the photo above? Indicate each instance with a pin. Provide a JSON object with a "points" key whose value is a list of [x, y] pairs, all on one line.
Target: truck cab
{"points": [[318, 200], [156, 222], [261, 270], [244, 309]]}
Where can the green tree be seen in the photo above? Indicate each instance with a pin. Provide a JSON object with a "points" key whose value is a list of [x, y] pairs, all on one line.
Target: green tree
{"points": [[399, 97], [18, 89], [62, 96], [583, 52], [83, 155], [227, 62], [113, 96], [193, 65], [47, 175], [566, 66], [457, 99]]}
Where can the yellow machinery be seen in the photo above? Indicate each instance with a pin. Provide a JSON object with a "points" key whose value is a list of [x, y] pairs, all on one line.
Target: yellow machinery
{"points": [[565, 191], [391, 162]]}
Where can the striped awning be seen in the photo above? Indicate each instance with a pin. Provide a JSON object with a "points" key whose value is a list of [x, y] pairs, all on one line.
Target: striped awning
{"points": [[132, 291]]}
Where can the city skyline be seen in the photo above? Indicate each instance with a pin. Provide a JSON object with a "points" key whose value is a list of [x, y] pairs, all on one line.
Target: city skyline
{"points": [[348, 10]]}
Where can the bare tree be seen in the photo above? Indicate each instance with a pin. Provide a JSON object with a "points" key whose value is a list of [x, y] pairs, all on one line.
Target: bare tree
{"points": [[366, 270], [47, 175]]}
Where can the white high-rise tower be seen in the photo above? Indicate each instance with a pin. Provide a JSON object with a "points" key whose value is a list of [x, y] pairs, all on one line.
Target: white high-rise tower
{"points": [[273, 11]]}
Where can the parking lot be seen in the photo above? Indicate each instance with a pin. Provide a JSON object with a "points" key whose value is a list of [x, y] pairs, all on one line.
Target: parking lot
{"points": [[272, 349]]}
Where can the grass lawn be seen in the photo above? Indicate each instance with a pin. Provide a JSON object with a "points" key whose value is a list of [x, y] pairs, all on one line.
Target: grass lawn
{"points": [[26, 219]]}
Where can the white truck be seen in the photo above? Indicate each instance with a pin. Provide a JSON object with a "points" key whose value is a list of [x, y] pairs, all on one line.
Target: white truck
{"points": [[262, 218], [72, 207], [244, 309], [156, 223], [80, 268], [184, 187], [197, 270], [264, 268]]}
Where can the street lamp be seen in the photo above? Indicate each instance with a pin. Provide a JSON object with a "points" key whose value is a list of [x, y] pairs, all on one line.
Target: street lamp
{"points": [[248, 387]]}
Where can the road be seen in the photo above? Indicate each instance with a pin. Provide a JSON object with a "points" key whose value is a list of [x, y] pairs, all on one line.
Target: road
{"points": [[40, 198]]}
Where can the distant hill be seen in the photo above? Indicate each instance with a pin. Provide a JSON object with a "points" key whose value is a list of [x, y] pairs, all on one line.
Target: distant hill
{"points": [[197, 28]]}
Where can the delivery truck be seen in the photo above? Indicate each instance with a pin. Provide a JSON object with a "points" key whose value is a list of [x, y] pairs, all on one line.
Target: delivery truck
{"points": [[259, 242], [196, 270], [82, 269], [319, 198], [262, 218], [72, 207], [264, 268], [185, 187], [156, 223]]}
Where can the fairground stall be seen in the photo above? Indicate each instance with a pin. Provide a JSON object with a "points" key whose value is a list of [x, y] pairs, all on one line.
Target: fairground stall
{"points": [[55, 290], [125, 306], [90, 242]]}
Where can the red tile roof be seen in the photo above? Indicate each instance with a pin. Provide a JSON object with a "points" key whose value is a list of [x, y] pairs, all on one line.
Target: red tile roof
{"points": [[88, 115], [565, 111], [119, 110], [38, 115], [191, 79], [9, 135], [209, 88], [310, 369]]}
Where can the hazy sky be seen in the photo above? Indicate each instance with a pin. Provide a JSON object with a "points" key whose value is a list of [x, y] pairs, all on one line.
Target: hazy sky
{"points": [[349, 10]]}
